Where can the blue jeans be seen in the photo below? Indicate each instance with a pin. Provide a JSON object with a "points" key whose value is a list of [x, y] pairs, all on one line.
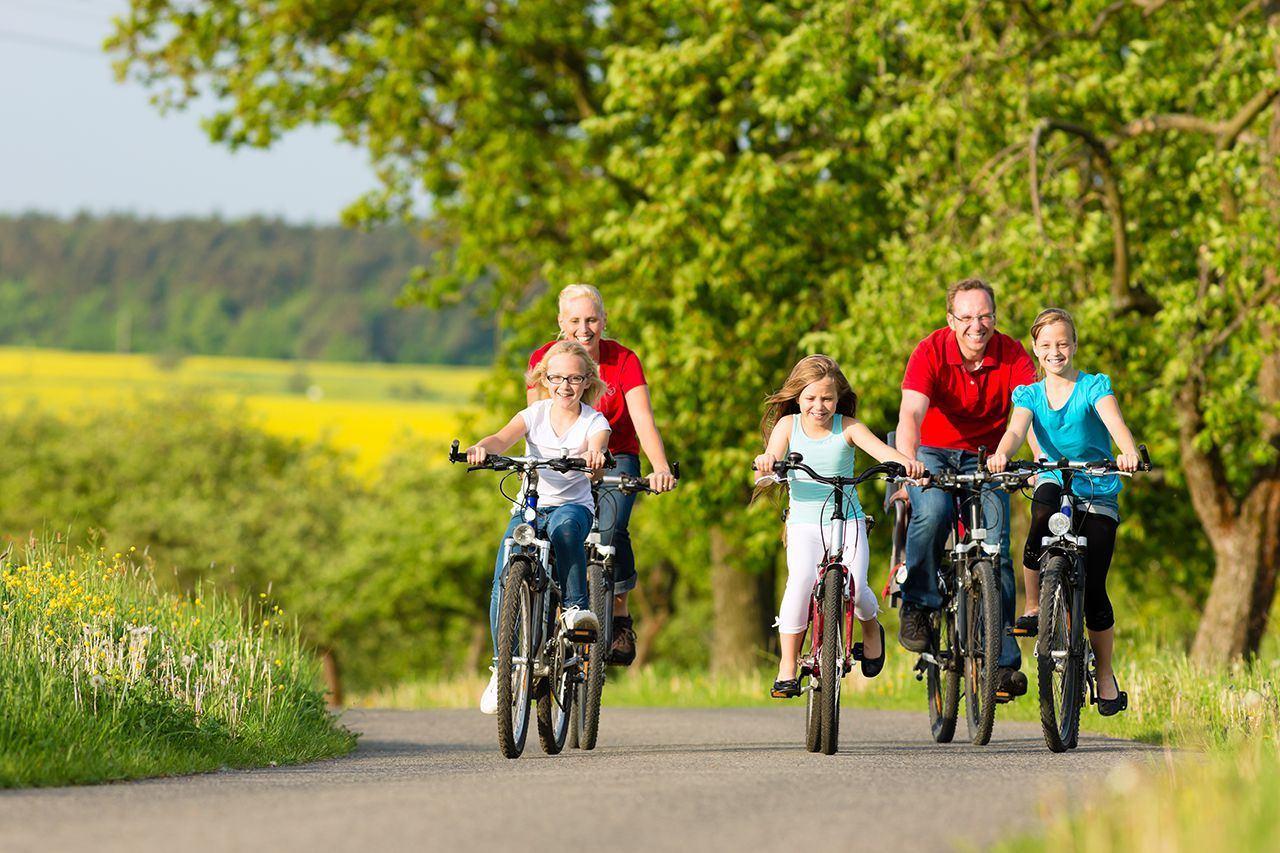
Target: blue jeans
{"points": [[932, 511], [567, 527], [615, 515]]}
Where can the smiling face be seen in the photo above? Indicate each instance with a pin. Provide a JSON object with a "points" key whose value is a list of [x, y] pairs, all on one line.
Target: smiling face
{"points": [[973, 319], [566, 379], [582, 320], [1055, 347], [817, 401]]}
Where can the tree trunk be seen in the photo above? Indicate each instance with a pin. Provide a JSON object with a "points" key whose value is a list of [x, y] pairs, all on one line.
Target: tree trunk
{"points": [[655, 605], [332, 677], [739, 631]]}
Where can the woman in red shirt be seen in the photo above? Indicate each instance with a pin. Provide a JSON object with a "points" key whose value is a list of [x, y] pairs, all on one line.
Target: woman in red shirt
{"points": [[626, 405]]}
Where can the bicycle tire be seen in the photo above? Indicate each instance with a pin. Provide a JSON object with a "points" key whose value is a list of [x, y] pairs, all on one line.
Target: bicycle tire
{"points": [[591, 688], [812, 718], [515, 640], [944, 683], [982, 668], [1059, 658], [555, 701], [832, 656]]}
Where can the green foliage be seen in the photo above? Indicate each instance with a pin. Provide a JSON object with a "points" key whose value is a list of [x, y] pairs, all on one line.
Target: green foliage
{"points": [[203, 286]]}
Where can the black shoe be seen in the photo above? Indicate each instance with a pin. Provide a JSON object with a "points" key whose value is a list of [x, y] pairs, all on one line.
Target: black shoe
{"points": [[785, 689], [1010, 683], [914, 630], [1111, 707], [1026, 626], [871, 666], [623, 649]]}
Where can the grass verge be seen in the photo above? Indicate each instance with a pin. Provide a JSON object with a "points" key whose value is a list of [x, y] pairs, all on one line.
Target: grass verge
{"points": [[106, 678]]}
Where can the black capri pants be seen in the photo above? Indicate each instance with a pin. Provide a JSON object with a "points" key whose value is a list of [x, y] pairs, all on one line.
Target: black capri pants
{"points": [[1099, 530]]}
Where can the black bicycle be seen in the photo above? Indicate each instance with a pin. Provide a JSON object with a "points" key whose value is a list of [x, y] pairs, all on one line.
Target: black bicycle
{"points": [[536, 660], [1064, 659], [585, 724], [966, 632], [831, 650]]}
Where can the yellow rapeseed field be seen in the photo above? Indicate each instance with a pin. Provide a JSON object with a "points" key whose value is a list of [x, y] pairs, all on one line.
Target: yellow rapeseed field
{"points": [[363, 408]]}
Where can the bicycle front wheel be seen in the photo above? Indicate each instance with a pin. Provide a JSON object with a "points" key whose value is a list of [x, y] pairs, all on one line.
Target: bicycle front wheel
{"points": [[555, 703], [1059, 658], [832, 659], [515, 655], [943, 677], [982, 655]]}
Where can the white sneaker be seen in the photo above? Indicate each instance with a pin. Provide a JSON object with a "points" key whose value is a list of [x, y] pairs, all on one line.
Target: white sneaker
{"points": [[489, 698], [580, 625]]}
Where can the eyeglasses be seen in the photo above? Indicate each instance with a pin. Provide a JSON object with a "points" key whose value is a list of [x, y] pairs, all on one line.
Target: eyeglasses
{"points": [[574, 379], [984, 319]]}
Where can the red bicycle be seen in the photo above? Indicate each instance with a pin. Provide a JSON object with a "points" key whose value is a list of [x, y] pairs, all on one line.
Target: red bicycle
{"points": [[831, 651]]}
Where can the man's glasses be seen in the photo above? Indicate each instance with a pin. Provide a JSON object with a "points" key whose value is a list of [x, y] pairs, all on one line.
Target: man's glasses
{"points": [[574, 379], [984, 319]]}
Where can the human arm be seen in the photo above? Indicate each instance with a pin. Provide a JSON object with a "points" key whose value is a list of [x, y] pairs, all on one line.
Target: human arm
{"points": [[1015, 433], [859, 435], [641, 410], [1109, 411], [775, 448], [910, 416], [499, 442]]}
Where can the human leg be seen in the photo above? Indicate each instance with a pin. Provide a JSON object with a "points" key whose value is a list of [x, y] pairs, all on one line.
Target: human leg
{"points": [[1099, 618], [804, 552], [567, 528]]}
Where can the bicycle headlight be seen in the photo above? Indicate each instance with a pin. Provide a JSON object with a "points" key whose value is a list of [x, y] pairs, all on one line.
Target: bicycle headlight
{"points": [[1059, 523], [523, 534]]}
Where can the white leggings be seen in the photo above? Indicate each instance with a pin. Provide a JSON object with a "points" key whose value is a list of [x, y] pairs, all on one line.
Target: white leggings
{"points": [[804, 552]]}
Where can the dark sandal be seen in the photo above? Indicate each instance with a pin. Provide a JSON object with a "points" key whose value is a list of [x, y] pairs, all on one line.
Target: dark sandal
{"points": [[788, 689], [1111, 707], [871, 666], [1026, 626]]}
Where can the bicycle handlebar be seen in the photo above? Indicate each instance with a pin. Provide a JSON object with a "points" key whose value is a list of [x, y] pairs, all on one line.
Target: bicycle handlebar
{"points": [[795, 462], [496, 462], [628, 483]]}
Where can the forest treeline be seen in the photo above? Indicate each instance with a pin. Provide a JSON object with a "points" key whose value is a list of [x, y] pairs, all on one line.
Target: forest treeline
{"points": [[255, 287]]}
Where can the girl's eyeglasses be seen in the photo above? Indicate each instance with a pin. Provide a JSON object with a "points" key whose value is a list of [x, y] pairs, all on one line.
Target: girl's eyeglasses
{"points": [[574, 379]]}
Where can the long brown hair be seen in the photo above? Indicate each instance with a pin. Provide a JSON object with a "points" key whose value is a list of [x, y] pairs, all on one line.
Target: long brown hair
{"points": [[785, 401], [593, 388]]}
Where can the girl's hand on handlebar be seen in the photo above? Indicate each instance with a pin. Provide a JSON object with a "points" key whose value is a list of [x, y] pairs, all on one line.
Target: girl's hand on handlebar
{"points": [[915, 468], [662, 481], [594, 459], [997, 462], [1128, 462], [764, 463], [476, 454]]}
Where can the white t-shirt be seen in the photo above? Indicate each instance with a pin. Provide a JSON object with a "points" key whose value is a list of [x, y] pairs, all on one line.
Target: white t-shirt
{"points": [[541, 441]]}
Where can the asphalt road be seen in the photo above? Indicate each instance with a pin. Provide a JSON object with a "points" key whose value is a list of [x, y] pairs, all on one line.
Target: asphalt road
{"points": [[661, 779]]}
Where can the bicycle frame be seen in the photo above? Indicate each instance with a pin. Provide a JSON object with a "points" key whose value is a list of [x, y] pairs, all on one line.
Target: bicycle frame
{"points": [[831, 563], [1074, 547]]}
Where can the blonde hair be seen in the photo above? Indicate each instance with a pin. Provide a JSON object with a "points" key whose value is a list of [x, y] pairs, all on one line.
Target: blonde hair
{"points": [[1048, 317], [592, 389], [580, 291]]}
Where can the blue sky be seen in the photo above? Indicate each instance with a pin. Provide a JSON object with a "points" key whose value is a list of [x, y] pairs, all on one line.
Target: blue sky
{"points": [[73, 139]]}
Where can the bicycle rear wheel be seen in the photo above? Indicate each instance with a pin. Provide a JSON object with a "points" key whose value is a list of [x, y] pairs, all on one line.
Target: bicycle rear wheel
{"points": [[1059, 658], [590, 690], [515, 655], [829, 669], [944, 677], [983, 652]]}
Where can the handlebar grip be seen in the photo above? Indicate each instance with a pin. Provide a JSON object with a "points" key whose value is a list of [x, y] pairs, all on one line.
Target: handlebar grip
{"points": [[675, 470], [609, 459], [982, 456], [454, 455], [1146, 460], [895, 469]]}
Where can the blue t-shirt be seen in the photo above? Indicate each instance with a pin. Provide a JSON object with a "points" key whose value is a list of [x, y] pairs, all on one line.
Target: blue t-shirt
{"points": [[1074, 432], [813, 502]]}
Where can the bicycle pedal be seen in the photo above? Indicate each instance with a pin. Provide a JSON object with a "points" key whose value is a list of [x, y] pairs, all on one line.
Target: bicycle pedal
{"points": [[1004, 698], [581, 636]]}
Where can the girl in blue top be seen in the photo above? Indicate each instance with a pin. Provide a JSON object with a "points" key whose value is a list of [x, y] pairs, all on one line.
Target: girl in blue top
{"points": [[813, 415], [1075, 416]]}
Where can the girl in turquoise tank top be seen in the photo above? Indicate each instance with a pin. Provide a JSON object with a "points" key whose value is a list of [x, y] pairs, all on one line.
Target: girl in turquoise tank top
{"points": [[813, 415]]}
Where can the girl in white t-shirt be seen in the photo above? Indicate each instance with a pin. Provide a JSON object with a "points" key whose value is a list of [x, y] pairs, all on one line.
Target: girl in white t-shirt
{"points": [[561, 423]]}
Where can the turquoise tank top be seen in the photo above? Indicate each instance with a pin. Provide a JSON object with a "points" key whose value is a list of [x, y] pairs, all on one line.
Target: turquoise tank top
{"points": [[811, 502]]}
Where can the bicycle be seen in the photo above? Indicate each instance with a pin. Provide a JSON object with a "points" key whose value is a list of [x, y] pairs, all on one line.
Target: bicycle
{"points": [[831, 650], [966, 633], [585, 724], [535, 658], [1064, 658]]}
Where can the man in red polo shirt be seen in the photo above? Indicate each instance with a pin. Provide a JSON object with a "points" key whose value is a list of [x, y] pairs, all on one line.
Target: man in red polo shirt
{"points": [[955, 400]]}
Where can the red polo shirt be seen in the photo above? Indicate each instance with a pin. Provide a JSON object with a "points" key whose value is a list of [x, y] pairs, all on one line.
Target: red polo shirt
{"points": [[968, 409], [621, 371]]}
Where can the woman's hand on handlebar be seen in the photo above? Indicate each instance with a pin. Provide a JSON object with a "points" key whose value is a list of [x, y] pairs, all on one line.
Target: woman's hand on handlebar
{"points": [[662, 481], [997, 462], [764, 464], [476, 455], [1128, 462]]}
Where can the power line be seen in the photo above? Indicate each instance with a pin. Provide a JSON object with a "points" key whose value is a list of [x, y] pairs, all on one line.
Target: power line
{"points": [[48, 42]]}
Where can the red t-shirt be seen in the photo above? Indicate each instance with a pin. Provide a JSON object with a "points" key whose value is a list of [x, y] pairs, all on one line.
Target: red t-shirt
{"points": [[621, 371], [968, 409]]}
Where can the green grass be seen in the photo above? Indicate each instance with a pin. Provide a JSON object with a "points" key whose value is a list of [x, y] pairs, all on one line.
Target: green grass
{"points": [[104, 678]]}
